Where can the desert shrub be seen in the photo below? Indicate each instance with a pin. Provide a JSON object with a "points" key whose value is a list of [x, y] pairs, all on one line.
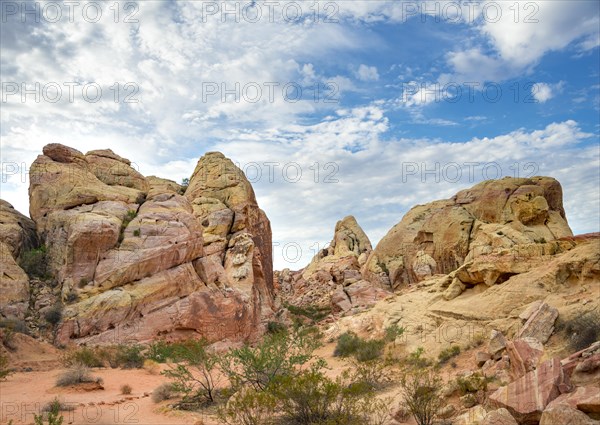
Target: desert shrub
{"points": [[161, 351], [163, 392], [369, 350], [126, 389], [312, 312], [196, 377], [417, 360], [276, 355], [373, 373], [35, 262], [448, 353], [86, 356], [129, 356], [14, 325], [275, 327], [248, 407], [472, 383], [421, 390], [52, 417], [57, 405], [131, 214], [77, 374], [392, 332], [350, 344], [137, 233], [582, 331], [151, 367], [312, 398], [54, 314], [4, 369], [347, 344]]}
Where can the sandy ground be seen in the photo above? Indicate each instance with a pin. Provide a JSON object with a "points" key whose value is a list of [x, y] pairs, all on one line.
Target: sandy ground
{"points": [[24, 394]]}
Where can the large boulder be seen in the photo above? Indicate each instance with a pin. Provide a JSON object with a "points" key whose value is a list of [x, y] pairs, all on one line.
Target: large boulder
{"points": [[565, 415], [527, 397], [494, 215]]}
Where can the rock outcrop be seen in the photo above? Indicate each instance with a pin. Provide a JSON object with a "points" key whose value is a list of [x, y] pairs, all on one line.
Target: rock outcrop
{"points": [[138, 258], [17, 235], [472, 231], [333, 279]]}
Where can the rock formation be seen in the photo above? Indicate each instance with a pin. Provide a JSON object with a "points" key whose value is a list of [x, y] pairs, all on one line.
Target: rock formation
{"points": [[333, 279], [17, 235], [472, 230], [137, 258]]}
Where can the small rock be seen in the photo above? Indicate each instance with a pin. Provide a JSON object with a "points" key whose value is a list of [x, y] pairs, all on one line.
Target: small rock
{"points": [[481, 358], [473, 416], [447, 411], [497, 344], [499, 417]]}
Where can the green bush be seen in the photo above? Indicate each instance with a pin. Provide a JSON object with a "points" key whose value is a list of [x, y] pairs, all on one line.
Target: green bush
{"points": [[54, 314], [417, 360], [275, 327], [312, 398], [311, 312], [421, 390], [53, 418], [448, 353], [161, 351], [129, 356], [248, 407], [131, 214], [373, 373], [56, 405], [196, 376], [89, 357], [276, 355], [349, 344], [35, 262], [392, 332]]}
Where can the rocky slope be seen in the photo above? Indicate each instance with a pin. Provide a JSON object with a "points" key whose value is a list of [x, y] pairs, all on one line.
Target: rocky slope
{"points": [[138, 258]]}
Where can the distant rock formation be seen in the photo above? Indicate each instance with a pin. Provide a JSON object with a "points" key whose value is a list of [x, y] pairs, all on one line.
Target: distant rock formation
{"points": [[333, 280], [138, 258]]}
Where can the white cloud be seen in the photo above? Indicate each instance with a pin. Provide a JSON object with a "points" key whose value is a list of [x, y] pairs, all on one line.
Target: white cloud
{"points": [[367, 73], [542, 92]]}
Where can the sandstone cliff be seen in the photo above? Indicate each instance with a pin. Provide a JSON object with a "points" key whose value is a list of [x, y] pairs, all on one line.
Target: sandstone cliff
{"points": [[137, 258]]}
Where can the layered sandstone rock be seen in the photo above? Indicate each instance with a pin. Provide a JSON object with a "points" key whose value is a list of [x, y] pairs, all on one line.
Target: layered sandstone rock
{"points": [[17, 235], [473, 229], [527, 397], [333, 279], [136, 258]]}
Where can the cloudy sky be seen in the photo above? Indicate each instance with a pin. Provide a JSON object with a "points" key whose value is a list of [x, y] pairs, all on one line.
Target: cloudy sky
{"points": [[331, 108]]}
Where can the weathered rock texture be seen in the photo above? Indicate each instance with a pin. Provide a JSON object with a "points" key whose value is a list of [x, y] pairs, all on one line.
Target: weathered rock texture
{"points": [[472, 231], [137, 258], [17, 235], [333, 279]]}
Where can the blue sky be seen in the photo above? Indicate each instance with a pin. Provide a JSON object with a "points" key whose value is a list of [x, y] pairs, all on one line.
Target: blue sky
{"points": [[403, 102]]}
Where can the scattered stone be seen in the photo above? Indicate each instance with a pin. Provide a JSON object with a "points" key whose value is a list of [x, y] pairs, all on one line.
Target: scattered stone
{"points": [[540, 324], [481, 357], [497, 344]]}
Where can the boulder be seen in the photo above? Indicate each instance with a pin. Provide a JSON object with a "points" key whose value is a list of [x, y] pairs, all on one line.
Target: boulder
{"points": [[540, 324], [496, 344], [586, 399], [481, 357], [565, 415], [527, 397], [474, 416], [524, 355], [499, 417]]}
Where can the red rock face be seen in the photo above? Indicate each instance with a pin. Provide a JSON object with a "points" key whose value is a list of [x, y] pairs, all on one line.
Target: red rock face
{"points": [[136, 259], [527, 397]]}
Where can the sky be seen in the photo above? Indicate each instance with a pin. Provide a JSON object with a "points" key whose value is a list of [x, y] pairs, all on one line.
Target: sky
{"points": [[331, 108]]}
